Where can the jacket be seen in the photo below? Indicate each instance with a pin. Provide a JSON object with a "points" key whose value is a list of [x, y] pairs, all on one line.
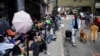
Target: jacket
{"points": [[73, 23]]}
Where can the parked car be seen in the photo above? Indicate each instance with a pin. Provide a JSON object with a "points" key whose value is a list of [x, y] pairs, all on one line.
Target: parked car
{"points": [[97, 22]]}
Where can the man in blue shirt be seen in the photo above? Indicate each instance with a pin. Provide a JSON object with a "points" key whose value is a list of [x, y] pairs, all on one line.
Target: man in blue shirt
{"points": [[75, 26]]}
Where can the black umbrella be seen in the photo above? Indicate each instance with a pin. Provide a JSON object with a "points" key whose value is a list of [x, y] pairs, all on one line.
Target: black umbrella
{"points": [[4, 25]]}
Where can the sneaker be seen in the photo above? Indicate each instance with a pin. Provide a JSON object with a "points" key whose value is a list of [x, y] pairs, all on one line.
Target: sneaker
{"points": [[48, 41], [47, 53], [54, 39], [74, 44]]}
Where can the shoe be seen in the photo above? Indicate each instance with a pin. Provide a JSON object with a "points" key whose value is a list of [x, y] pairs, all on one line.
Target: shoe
{"points": [[74, 44], [54, 39], [48, 42], [47, 53]]}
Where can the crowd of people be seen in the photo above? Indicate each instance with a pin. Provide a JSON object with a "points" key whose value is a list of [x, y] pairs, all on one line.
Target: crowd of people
{"points": [[41, 34]]}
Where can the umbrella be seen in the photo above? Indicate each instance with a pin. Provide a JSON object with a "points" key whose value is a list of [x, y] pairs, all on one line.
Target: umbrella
{"points": [[22, 22], [4, 25]]}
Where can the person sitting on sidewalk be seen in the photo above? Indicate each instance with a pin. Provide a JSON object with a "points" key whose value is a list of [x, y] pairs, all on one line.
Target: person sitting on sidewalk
{"points": [[38, 45], [4, 46], [50, 34], [17, 40], [14, 48], [13, 36]]}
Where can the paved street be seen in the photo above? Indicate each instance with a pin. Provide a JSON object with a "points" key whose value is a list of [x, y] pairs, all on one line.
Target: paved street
{"points": [[81, 49]]}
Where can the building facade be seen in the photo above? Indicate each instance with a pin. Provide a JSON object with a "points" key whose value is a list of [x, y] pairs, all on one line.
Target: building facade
{"points": [[76, 3], [97, 7], [35, 8]]}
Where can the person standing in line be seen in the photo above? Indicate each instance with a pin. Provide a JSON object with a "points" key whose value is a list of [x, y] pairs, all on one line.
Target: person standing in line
{"points": [[75, 26]]}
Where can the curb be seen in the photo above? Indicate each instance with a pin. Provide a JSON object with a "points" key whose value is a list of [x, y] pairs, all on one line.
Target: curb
{"points": [[61, 42]]}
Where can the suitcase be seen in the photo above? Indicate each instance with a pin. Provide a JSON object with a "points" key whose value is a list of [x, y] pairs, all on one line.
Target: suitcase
{"points": [[68, 34]]}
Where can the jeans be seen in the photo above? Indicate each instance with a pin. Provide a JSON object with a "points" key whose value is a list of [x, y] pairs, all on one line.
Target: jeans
{"points": [[74, 32], [49, 38]]}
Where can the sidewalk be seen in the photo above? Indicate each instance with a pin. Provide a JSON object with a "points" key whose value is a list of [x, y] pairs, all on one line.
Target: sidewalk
{"points": [[55, 48]]}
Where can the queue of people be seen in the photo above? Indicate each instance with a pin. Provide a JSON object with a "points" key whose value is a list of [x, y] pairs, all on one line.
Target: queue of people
{"points": [[41, 34]]}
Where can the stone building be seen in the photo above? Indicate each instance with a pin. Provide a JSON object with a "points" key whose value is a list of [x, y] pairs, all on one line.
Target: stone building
{"points": [[84, 4]]}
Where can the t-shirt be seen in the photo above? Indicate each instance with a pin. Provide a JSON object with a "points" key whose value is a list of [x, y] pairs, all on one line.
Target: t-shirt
{"points": [[76, 24]]}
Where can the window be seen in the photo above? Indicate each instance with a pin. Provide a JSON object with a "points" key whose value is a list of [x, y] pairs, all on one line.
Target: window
{"points": [[80, 0], [2, 10]]}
